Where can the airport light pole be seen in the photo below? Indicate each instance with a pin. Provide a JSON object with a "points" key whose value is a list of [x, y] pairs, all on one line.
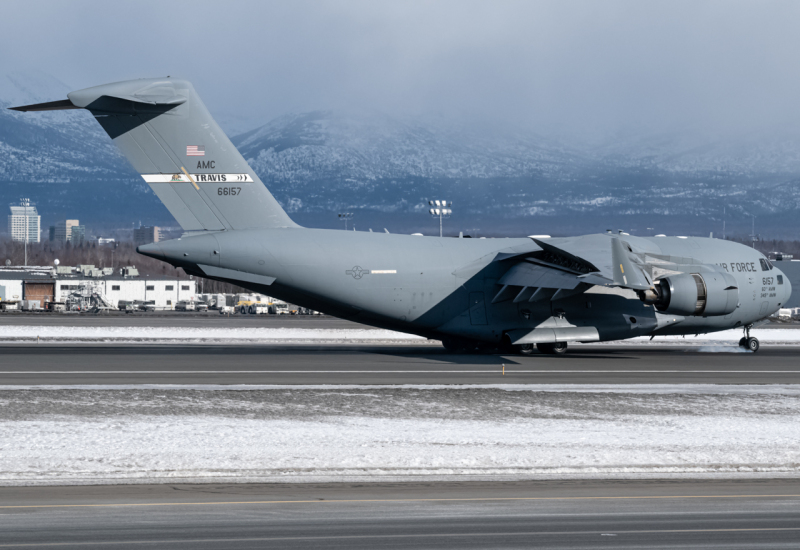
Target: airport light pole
{"points": [[345, 216], [441, 210], [755, 238]]}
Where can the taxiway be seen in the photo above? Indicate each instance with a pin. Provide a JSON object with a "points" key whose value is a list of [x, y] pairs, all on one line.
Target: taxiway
{"points": [[50, 364], [541, 514]]}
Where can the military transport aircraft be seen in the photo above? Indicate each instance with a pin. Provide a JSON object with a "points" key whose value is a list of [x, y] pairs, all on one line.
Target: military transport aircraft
{"points": [[471, 294]]}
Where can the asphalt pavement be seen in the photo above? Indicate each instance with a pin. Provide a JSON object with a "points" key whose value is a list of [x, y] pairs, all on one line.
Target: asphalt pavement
{"points": [[525, 514], [32, 364], [211, 319]]}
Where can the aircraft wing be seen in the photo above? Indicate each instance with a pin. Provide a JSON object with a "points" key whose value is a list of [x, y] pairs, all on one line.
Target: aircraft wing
{"points": [[565, 267]]}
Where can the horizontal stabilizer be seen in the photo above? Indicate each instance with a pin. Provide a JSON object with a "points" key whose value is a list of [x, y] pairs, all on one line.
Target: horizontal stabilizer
{"points": [[49, 106]]}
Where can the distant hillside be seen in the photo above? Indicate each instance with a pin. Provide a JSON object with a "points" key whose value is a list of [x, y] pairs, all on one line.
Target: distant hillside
{"points": [[502, 180], [64, 161]]}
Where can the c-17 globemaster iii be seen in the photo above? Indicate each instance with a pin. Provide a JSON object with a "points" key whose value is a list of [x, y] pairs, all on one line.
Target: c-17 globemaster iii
{"points": [[509, 293]]}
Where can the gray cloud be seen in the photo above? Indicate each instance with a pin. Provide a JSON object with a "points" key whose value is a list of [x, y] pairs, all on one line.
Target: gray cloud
{"points": [[577, 67]]}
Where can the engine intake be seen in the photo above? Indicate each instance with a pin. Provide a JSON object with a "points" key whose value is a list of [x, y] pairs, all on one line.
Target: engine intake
{"points": [[708, 294]]}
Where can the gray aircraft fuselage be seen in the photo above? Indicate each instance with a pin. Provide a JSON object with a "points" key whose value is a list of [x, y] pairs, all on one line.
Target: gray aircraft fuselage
{"points": [[443, 287]]}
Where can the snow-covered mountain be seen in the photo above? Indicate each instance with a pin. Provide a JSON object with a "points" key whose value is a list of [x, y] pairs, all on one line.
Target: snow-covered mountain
{"points": [[327, 161], [385, 168], [63, 160]]}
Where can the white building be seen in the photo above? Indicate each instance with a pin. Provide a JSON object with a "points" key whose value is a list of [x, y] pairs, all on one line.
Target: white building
{"points": [[24, 223], [163, 292], [55, 284]]}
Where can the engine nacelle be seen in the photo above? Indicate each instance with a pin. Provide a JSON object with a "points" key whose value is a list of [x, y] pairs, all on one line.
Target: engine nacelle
{"points": [[694, 294]]}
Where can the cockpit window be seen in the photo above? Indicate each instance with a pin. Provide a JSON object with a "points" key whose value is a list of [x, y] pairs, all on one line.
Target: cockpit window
{"points": [[764, 265]]}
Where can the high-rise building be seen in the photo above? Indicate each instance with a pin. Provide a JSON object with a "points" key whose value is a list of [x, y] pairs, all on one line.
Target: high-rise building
{"points": [[78, 234], [24, 222], [146, 235], [62, 231]]}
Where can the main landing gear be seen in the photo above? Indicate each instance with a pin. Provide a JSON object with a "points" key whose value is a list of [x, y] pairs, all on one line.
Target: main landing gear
{"points": [[747, 342], [466, 346], [558, 348]]}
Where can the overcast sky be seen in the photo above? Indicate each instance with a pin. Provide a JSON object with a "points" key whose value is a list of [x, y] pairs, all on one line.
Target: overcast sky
{"points": [[594, 67]]}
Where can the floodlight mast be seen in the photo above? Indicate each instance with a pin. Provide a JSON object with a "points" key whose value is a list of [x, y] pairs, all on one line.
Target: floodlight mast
{"points": [[345, 216], [441, 211]]}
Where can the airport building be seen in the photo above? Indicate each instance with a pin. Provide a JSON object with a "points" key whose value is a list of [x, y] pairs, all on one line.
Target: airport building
{"points": [[24, 223], [56, 284]]}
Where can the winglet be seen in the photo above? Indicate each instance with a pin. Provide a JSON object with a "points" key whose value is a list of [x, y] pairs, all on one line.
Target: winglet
{"points": [[626, 274]]}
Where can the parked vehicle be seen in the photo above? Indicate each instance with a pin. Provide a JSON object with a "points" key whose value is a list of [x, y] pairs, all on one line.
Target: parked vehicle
{"points": [[279, 308], [185, 305], [258, 309]]}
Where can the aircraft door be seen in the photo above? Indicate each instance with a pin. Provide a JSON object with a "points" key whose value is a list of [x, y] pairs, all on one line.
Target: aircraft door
{"points": [[477, 309]]}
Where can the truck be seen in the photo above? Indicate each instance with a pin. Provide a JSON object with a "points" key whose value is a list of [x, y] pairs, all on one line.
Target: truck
{"points": [[244, 301], [279, 308]]}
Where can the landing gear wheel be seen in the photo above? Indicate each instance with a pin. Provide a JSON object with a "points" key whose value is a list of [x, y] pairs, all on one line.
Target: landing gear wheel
{"points": [[558, 348], [458, 345], [525, 349], [752, 344], [743, 342], [451, 345]]}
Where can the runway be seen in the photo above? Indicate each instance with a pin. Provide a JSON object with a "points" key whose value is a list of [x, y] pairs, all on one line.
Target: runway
{"points": [[541, 514], [364, 364]]}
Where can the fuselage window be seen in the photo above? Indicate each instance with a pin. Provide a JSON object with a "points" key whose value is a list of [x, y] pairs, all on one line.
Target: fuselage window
{"points": [[780, 279]]}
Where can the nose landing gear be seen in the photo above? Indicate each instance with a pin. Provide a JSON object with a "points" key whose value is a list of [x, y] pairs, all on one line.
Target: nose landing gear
{"points": [[748, 342]]}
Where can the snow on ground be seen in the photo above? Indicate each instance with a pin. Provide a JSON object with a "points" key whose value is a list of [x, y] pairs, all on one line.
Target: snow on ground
{"points": [[216, 335], [143, 435], [200, 335]]}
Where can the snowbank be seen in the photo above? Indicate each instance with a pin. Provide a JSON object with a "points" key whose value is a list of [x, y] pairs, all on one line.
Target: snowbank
{"points": [[312, 434], [216, 335], [62, 334]]}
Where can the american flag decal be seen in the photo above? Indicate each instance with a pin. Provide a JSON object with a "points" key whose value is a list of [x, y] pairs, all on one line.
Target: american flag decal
{"points": [[195, 150]]}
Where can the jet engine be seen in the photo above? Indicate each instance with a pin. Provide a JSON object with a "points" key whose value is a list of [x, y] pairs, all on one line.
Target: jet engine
{"points": [[694, 294]]}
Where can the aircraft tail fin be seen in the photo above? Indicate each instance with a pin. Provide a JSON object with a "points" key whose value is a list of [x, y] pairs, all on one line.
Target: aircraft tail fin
{"points": [[168, 135]]}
